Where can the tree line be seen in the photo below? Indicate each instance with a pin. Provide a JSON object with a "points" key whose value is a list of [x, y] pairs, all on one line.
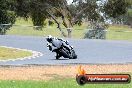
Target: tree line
{"points": [[94, 11]]}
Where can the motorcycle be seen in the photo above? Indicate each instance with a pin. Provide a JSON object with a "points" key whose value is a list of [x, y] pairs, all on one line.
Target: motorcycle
{"points": [[66, 54], [63, 51]]}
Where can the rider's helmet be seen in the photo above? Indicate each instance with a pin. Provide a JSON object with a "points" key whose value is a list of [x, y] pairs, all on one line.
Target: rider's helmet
{"points": [[49, 38]]}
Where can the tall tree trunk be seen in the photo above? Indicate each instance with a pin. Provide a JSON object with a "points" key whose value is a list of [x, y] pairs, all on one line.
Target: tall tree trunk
{"points": [[68, 26], [69, 30], [67, 23]]}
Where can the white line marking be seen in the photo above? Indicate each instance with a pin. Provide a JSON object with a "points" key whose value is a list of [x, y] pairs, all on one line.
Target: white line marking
{"points": [[35, 54]]}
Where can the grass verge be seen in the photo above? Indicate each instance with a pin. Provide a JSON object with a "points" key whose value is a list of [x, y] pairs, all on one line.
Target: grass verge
{"points": [[65, 83], [119, 35], [119, 32], [8, 53]]}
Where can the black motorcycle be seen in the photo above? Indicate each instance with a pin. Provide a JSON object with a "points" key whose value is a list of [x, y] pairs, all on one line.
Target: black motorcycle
{"points": [[66, 54], [63, 51]]}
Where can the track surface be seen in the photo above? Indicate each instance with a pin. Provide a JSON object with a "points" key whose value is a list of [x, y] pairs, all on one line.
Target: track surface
{"points": [[88, 51]]}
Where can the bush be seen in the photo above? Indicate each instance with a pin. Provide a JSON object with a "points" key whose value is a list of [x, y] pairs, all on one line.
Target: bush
{"points": [[97, 31], [7, 18]]}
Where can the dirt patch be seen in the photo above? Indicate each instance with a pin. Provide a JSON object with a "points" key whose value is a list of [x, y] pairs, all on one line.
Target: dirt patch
{"points": [[59, 71]]}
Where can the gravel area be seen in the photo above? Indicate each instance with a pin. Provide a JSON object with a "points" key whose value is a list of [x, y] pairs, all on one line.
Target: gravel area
{"points": [[48, 72]]}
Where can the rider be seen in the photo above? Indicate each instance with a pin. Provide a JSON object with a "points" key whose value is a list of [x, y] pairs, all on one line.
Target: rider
{"points": [[57, 43]]}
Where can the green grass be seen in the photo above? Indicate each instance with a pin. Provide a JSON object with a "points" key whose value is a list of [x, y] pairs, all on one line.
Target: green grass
{"points": [[66, 83], [116, 32], [119, 27], [77, 32], [28, 31], [47, 30], [115, 35], [7, 53], [57, 82]]}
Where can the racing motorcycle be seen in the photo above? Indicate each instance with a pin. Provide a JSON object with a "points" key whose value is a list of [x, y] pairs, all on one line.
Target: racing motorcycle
{"points": [[63, 51]]}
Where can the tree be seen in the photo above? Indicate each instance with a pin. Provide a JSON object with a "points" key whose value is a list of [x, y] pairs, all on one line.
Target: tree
{"points": [[58, 8], [71, 16], [37, 13], [129, 14], [7, 15], [128, 17], [39, 10], [32, 9], [116, 8], [22, 8]]}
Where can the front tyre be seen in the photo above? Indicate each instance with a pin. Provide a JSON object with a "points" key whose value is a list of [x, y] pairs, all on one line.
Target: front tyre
{"points": [[73, 55]]}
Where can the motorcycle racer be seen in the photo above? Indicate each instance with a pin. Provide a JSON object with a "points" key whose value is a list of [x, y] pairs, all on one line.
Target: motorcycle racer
{"points": [[54, 44]]}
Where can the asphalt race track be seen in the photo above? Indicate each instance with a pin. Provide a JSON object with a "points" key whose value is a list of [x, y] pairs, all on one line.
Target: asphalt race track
{"points": [[88, 51]]}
